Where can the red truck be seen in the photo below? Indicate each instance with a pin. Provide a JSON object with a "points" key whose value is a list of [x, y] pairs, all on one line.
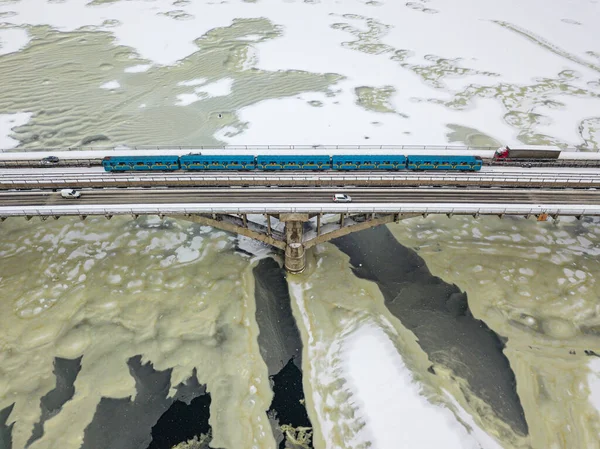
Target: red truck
{"points": [[526, 154]]}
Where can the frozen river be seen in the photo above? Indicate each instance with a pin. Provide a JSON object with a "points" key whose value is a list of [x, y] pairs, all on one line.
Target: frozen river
{"points": [[434, 332]]}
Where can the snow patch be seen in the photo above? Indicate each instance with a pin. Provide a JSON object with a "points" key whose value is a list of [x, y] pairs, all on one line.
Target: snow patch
{"points": [[219, 88], [138, 68], [186, 99], [594, 382], [12, 39], [7, 123], [387, 396], [111, 85]]}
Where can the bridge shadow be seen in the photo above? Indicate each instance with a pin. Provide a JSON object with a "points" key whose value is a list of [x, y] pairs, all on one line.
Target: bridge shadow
{"points": [[438, 314], [281, 348]]}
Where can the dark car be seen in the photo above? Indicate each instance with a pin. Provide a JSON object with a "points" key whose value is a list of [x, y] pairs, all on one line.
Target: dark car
{"points": [[50, 160]]}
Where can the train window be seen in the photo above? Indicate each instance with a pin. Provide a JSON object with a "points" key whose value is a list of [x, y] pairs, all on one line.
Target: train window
{"points": [[121, 163]]}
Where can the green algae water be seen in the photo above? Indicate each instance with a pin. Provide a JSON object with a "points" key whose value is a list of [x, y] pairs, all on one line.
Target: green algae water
{"points": [[181, 296]]}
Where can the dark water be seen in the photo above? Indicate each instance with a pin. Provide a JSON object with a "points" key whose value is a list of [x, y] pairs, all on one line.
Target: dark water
{"points": [[182, 422], [66, 372], [281, 348], [127, 424], [438, 314], [5, 428], [279, 339], [123, 423]]}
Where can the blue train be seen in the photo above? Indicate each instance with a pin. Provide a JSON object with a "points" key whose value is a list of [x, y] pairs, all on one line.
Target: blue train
{"points": [[291, 162]]}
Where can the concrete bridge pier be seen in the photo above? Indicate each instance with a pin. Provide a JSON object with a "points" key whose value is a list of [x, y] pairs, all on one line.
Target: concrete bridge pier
{"points": [[292, 241], [295, 251]]}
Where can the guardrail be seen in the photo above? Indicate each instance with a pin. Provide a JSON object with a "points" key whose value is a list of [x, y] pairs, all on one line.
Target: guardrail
{"points": [[274, 147], [311, 208], [35, 163], [255, 147], [108, 181]]}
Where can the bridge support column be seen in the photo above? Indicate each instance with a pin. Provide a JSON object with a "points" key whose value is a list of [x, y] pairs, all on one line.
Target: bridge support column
{"points": [[295, 252], [295, 258], [269, 232]]}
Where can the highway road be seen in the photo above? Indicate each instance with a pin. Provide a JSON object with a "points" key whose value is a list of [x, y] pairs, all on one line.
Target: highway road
{"points": [[304, 196]]}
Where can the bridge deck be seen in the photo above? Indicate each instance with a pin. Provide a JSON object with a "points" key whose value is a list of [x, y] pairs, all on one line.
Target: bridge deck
{"points": [[278, 200]]}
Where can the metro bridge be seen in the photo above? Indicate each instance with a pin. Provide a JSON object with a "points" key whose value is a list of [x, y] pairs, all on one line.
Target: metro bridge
{"points": [[300, 210], [299, 202]]}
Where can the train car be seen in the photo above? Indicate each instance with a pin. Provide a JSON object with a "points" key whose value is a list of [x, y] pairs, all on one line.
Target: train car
{"points": [[241, 162], [368, 162], [526, 152], [231, 162], [303, 162], [432, 162], [140, 163]]}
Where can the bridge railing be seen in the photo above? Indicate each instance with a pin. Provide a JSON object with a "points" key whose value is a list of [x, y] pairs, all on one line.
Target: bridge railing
{"points": [[405, 208], [273, 147], [253, 147]]}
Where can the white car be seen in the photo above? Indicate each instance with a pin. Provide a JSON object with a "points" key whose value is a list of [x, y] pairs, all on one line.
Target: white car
{"points": [[342, 198], [70, 193]]}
